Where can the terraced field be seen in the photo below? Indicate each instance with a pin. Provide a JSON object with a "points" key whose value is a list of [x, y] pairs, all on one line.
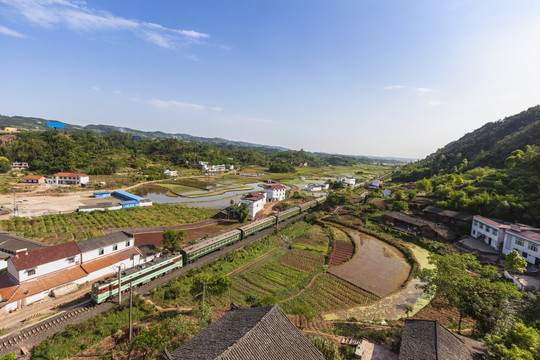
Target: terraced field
{"points": [[314, 239], [303, 260], [329, 292], [342, 248]]}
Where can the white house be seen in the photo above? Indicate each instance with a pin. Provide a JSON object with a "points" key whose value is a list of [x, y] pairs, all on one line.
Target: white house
{"points": [[491, 231], [375, 184], [524, 239], [63, 178], [275, 192], [170, 172], [255, 201], [106, 254], [313, 187], [347, 181]]}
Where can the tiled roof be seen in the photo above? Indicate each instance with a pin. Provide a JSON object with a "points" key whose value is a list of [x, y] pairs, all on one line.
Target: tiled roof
{"points": [[253, 196], [8, 286], [428, 340], [274, 187], [13, 243], [34, 177], [44, 255], [106, 240], [494, 222], [47, 282], [104, 261], [263, 333], [448, 213], [70, 174], [530, 235]]}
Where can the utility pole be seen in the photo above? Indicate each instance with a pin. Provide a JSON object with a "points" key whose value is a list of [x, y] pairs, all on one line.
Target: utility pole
{"points": [[130, 311], [119, 285]]}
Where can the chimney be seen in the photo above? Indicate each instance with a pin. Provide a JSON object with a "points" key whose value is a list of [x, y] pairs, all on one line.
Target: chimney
{"points": [[21, 251]]}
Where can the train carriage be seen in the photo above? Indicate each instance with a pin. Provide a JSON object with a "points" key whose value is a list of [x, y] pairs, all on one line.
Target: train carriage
{"points": [[308, 205], [288, 213], [258, 225], [207, 246], [108, 287]]}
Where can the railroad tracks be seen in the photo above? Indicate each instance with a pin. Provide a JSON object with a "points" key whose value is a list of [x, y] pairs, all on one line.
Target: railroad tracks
{"points": [[16, 339]]}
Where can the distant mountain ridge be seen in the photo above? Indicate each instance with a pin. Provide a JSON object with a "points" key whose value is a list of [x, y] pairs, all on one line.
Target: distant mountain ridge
{"points": [[38, 124]]}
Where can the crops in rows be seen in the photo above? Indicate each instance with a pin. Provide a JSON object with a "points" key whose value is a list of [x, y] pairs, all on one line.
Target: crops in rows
{"points": [[273, 278], [329, 292], [56, 229], [303, 260], [314, 239]]}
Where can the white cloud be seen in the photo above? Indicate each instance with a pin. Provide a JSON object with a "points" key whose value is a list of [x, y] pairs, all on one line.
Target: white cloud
{"points": [[435, 103], [173, 104], [394, 87], [5, 31], [424, 90], [76, 15], [96, 88], [216, 108], [117, 92]]}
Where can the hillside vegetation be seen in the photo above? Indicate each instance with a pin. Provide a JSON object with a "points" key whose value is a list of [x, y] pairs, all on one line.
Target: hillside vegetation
{"points": [[493, 171]]}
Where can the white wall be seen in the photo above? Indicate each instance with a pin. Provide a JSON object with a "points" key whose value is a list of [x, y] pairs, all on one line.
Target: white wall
{"points": [[510, 243], [480, 227]]}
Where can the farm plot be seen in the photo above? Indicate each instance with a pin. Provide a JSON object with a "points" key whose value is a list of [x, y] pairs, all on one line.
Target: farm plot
{"points": [[303, 260], [342, 247], [272, 278], [56, 229], [314, 239], [329, 292]]}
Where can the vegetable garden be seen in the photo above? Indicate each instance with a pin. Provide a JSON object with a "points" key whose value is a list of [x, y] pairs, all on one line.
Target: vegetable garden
{"points": [[57, 229]]}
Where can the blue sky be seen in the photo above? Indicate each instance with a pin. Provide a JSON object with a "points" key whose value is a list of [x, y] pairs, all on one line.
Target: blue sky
{"points": [[365, 77]]}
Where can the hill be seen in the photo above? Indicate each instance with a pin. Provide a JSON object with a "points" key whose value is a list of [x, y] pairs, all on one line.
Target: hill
{"points": [[489, 145], [39, 124]]}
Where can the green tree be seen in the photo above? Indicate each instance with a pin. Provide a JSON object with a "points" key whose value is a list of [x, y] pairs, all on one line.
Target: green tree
{"points": [[400, 206], [399, 195], [240, 212], [517, 343], [305, 314], [424, 185], [411, 195], [475, 290], [514, 263], [5, 164], [10, 356], [172, 239], [326, 347]]}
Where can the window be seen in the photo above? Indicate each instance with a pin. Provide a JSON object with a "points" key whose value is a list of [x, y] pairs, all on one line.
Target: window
{"points": [[482, 226], [71, 260], [533, 247], [475, 223], [31, 272], [115, 247], [495, 232], [519, 242], [101, 252], [128, 243]]}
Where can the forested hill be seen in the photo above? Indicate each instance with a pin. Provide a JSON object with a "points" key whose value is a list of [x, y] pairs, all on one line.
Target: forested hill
{"points": [[489, 145], [37, 124]]}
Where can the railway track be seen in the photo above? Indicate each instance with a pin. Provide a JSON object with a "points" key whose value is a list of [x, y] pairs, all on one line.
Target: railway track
{"points": [[37, 333]]}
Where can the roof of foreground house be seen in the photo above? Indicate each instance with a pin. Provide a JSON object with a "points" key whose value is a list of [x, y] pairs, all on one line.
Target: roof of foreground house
{"points": [[105, 240], [253, 196], [263, 333], [33, 258], [429, 340]]}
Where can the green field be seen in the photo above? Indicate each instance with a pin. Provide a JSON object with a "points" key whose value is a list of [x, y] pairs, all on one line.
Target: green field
{"points": [[57, 229]]}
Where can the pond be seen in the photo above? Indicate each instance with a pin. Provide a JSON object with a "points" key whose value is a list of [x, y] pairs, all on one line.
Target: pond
{"points": [[376, 267], [159, 195]]}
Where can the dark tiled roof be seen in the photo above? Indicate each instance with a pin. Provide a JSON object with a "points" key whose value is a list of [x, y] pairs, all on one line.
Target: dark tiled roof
{"points": [[106, 240], [448, 213], [11, 243], [253, 196], [428, 340], [263, 333], [44, 255], [442, 230], [274, 187]]}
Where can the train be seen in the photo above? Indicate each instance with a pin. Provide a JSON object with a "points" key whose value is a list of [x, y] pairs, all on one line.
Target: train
{"points": [[107, 288]]}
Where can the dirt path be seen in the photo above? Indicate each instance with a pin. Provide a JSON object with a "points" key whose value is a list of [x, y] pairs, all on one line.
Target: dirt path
{"points": [[304, 289]]}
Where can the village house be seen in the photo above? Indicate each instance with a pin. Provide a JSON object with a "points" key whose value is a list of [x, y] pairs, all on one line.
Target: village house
{"points": [[261, 333], [34, 179], [34, 275], [9, 244], [447, 216], [490, 231], [170, 172], [249, 174], [347, 181], [10, 129], [63, 178], [19, 165], [255, 201], [525, 240], [375, 184], [275, 192]]}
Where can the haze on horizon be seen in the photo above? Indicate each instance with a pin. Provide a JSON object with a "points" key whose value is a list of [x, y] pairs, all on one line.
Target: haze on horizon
{"points": [[383, 78]]}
